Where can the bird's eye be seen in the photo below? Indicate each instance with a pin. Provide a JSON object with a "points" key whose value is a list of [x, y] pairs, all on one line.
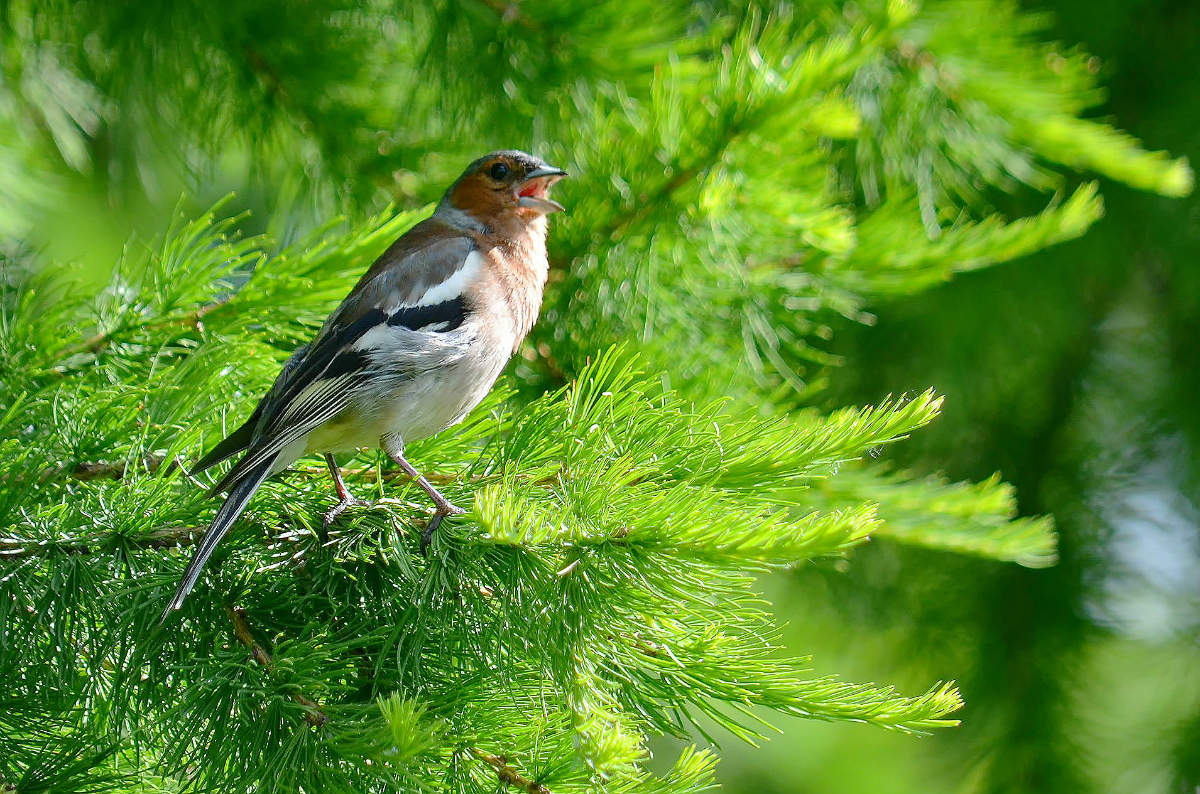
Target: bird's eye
{"points": [[498, 171]]}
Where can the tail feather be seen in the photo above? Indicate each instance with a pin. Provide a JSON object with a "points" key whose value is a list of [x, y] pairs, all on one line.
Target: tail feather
{"points": [[235, 504], [231, 445]]}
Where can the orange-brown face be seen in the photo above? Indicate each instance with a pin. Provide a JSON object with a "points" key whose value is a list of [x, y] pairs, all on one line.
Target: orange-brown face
{"points": [[506, 185]]}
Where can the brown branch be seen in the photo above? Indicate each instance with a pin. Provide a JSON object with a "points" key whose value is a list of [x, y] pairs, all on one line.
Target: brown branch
{"points": [[241, 629], [507, 775], [437, 478], [94, 344], [646, 647], [161, 538], [103, 470]]}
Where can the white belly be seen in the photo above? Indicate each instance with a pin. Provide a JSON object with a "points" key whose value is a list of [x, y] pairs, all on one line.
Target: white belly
{"points": [[425, 389]]}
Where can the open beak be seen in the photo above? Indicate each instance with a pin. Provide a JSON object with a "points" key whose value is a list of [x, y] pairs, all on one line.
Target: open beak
{"points": [[533, 190]]}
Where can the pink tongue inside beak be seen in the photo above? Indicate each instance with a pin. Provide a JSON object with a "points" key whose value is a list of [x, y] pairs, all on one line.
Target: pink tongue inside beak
{"points": [[532, 196]]}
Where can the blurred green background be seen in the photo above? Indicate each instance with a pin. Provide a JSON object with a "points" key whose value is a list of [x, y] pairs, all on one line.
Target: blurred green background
{"points": [[1074, 373]]}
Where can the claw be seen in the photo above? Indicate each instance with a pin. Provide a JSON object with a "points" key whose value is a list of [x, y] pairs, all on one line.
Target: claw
{"points": [[332, 513], [444, 509], [394, 448], [346, 499]]}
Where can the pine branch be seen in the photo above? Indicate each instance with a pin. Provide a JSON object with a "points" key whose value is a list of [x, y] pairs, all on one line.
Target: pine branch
{"points": [[313, 714], [602, 588], [964, 517], [105, 470], [98, 342], [895, 255], [647, 205], [161, 538], [507, 775]]}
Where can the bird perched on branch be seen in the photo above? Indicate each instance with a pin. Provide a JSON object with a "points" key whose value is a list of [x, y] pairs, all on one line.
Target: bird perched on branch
{"points": [[416, 344]]}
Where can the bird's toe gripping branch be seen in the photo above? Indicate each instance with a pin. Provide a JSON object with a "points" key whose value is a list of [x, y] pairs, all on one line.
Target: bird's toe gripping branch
{"points": [[332, 514], [444, 508], [346, 500]]}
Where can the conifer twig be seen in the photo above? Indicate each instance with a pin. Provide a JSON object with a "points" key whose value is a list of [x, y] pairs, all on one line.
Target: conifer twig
{"points": [[622, 221], [118, 470], [313, 714], [161, 538], [96, 343], [104, 470], [507, 775], [435, 477]]}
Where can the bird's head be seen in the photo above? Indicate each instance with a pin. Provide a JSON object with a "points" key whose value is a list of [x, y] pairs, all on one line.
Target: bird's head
{"points": [[504, 191]]}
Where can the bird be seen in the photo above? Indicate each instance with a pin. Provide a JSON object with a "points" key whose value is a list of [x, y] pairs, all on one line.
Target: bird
{"points": [[415, 345]]}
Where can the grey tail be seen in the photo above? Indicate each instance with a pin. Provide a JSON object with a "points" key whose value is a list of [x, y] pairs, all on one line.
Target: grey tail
{"points": [[239, 497], [234, 443]]}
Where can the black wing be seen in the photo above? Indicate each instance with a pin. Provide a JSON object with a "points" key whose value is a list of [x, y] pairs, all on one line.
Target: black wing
{"points": [[240, 439]]}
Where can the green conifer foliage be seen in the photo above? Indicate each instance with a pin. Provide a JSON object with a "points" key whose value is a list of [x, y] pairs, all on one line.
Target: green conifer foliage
{"points": [[740, 177]]}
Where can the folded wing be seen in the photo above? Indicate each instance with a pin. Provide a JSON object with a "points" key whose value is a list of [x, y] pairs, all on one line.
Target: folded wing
{"points": [[416, 283]]}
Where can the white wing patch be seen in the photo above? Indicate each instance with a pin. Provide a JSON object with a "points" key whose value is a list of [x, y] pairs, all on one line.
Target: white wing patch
{"points": [[377, 337], [452, 287]]}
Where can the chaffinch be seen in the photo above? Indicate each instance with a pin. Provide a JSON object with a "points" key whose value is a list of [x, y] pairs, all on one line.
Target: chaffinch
{"points": [[416, 344]]}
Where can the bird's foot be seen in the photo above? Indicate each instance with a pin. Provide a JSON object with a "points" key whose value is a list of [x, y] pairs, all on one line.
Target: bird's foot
{"points": [[332, 514], [444, 509]]}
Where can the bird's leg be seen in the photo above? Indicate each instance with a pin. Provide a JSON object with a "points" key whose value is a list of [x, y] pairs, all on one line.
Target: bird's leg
{"points": [[346, 499], [444, 508]]}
